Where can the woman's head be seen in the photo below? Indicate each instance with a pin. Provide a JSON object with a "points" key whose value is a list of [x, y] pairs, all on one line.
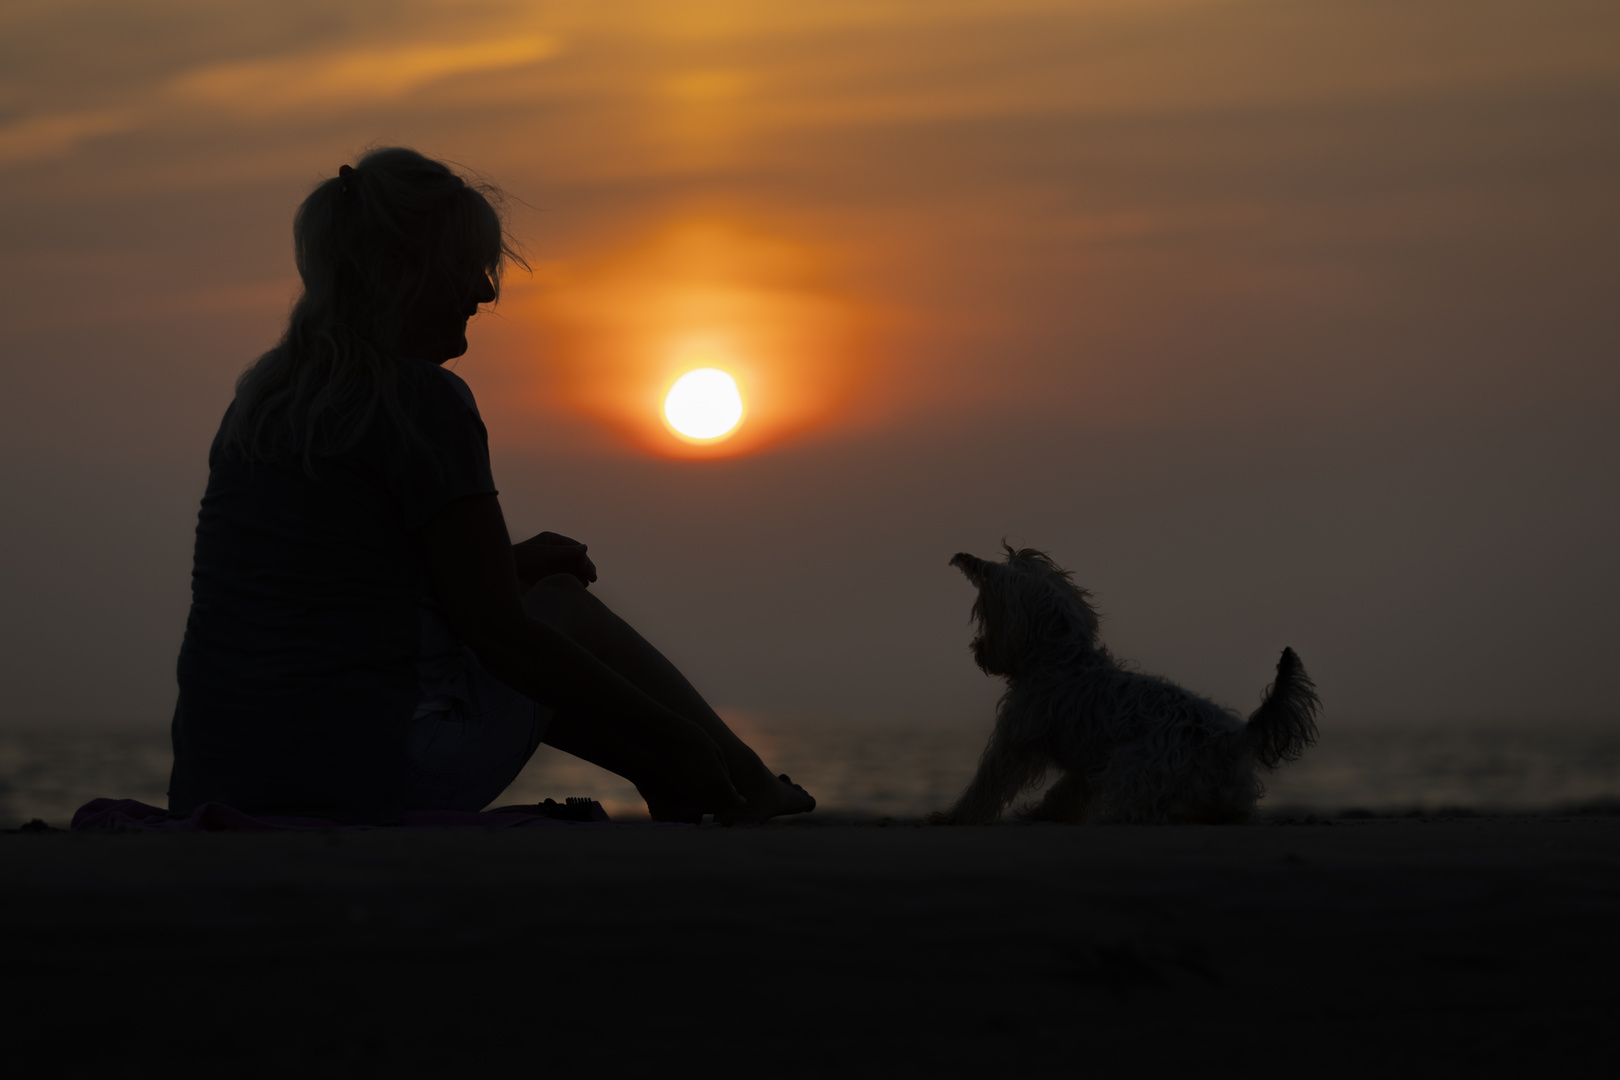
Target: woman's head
{"points": [[398, 247], [395, 253]]}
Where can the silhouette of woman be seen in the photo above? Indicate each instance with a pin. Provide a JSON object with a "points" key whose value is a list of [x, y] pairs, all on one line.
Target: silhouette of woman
{"points": [[364, 639]]}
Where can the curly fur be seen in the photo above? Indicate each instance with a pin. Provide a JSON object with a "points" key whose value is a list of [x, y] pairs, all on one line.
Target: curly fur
{"points": [[1131, 747]]}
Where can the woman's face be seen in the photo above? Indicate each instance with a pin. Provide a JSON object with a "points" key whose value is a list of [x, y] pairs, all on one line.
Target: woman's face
{"points": [[436, 325]]}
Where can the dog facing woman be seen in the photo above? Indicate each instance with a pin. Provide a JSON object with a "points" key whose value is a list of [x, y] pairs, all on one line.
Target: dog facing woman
{"points": [[364, 638], [1131, 747]]}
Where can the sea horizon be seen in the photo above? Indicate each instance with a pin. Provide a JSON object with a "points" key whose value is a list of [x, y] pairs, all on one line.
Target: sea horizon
{"points": [[904, 768]]}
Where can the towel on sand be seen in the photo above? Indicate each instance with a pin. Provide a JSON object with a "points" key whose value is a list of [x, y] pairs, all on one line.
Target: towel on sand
{"points": [[129, 814]]}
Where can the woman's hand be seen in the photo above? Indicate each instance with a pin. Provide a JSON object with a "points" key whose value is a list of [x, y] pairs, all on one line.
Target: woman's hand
{"points": [[552, 553]]}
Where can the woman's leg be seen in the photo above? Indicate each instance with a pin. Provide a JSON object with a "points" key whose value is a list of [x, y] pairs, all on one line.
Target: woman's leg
{"points": [[593, 741], [562, 602]]}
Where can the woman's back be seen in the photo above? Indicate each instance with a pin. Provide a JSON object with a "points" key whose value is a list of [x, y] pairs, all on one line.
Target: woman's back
{"points": [[298, 674]]}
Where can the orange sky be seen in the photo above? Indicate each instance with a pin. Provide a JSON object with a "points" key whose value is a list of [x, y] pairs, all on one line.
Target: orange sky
{"points": [[1280, 322]]}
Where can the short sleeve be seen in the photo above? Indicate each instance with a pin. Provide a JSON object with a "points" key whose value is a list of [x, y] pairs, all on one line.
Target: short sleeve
{"points": [[450, 459]]}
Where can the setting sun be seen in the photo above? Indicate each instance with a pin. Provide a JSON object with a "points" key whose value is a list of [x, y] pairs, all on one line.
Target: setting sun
{"points": [[704, 405]]}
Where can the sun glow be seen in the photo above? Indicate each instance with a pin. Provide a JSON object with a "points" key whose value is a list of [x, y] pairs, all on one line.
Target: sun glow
{"points": [[704, 405], [625, 327]]}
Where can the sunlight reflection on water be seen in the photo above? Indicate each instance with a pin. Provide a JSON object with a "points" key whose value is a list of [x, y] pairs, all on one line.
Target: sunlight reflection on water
{"points": [[906, 770]]}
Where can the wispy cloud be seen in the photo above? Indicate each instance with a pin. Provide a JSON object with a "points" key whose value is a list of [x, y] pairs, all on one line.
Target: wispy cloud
{"points": [[327, 81], [349, 78], [36, 138]]}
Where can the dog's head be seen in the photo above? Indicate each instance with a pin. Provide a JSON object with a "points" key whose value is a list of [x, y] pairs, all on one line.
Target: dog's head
{"points": [[1030, 613]]}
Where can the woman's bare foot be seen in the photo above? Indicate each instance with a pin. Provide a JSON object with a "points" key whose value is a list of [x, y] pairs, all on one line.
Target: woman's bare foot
{"points": [[772, 797], [777, 796]]}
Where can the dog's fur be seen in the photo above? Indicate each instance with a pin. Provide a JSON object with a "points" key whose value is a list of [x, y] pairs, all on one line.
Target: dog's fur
{"points": [[1131, 747]]}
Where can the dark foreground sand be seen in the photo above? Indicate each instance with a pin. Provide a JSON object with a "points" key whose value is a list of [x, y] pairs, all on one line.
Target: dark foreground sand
{"points": [[1384, 947]]}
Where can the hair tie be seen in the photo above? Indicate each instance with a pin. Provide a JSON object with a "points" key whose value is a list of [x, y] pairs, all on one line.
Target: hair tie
{"points": [[344, 173]]}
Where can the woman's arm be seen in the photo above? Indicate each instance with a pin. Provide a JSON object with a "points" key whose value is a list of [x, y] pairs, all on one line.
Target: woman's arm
{"points": [[471, 561], [552, 553]]}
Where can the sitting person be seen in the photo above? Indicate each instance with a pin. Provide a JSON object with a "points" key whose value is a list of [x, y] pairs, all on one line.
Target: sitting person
{"points": [[364, 639]]}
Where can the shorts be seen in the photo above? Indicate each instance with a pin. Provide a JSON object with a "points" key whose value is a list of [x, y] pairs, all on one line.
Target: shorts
{"points": [[464, 756]]}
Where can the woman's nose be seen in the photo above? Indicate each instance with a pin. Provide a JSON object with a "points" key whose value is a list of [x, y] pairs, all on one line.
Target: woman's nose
{"points": [[483, 289]]}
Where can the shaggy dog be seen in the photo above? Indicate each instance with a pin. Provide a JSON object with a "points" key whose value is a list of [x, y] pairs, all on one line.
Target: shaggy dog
{"points": [[1131, 747]]}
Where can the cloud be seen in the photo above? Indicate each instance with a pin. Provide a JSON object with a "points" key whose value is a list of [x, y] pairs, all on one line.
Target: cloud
{"points": [[341, 80], [36, 138], [326, 81]]}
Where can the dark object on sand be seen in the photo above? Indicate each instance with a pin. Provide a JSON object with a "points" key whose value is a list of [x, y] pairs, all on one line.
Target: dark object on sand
{"points": [[573, 808]]}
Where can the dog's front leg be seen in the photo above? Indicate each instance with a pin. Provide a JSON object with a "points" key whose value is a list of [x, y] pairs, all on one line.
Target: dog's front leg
{"points": [[1004, 771], [1066, 801], [980, 804]]}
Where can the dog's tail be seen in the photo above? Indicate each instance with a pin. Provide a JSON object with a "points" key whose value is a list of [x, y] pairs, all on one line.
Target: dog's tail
{"points": [[1285, 723]]}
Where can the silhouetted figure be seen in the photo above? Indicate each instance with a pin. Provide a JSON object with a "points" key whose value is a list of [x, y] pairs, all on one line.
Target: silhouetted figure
{"points": [[364, 638]]}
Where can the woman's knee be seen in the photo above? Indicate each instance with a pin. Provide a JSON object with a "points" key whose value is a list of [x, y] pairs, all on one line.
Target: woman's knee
{"points": [[554, 582], [561, 600]]}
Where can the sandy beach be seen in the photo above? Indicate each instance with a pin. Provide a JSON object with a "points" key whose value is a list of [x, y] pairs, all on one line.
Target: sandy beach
{"points": [[1440, 946]]}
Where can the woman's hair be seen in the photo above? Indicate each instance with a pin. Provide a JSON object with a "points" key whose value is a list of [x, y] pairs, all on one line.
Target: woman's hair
{"points": [[368, 243]]}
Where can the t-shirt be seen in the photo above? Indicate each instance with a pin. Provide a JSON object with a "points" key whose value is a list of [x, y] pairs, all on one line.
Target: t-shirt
{"points": [[299, 673]]}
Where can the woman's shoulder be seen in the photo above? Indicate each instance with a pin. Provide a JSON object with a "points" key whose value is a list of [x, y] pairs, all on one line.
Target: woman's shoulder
{"points": [[459, 385], [440, 390]]}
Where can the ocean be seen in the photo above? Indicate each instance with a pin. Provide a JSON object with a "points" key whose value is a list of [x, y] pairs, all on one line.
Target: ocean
{"points": [[905, 770]]}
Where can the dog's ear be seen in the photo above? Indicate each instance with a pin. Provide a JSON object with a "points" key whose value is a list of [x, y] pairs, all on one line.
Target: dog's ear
{"points": [[1058, 613]]}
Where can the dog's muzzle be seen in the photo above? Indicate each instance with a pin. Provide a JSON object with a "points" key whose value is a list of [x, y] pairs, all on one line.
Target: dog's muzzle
{"points": [[968, 564]]}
